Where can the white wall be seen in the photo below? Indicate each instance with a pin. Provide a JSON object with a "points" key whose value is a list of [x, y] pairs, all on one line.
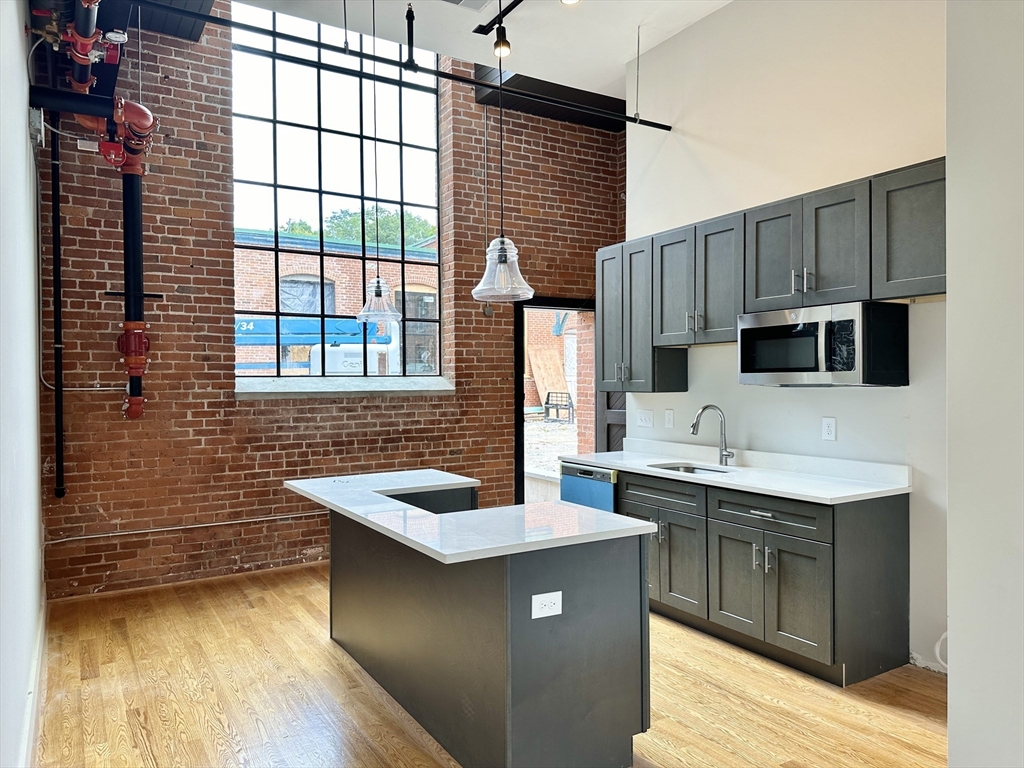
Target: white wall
{"points": [[985, 238], [770, 99], [21, 592]]}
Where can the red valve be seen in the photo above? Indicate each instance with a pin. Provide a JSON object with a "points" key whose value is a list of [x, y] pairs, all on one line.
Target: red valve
{"points": [[134, 344], [113, 152], [132, 408], [112, 54]]}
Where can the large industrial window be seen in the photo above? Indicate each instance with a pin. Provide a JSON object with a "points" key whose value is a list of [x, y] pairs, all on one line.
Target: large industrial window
{"points": [[310, 216]]}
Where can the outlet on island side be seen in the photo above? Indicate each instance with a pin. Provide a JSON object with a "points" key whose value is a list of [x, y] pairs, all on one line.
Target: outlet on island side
{"points": [[828, 428], [546, 604]]}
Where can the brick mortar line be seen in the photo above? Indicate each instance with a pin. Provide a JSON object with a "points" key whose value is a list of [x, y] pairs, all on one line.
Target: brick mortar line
{"points": [[144, 531]]}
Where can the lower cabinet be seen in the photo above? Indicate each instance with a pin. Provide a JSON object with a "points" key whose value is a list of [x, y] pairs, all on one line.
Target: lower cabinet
{"points": [[772, 587]]}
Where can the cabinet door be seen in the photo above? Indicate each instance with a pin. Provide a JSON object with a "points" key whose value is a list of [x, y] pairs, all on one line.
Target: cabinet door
{"points": [[736, 578], [908, 232], [608, 320], [798, 596], [684, 562], [837, 245], [673, 287], [774, 257], [719, 279], [637, 341], [649, 514]]}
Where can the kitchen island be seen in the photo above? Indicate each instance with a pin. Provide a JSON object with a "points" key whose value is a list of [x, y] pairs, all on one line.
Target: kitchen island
{"points": [[516, 636]]}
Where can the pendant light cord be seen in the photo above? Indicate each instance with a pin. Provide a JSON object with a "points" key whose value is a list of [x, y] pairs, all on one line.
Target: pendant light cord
{"points": [[487, 191], [344, 20], [636, 94], [501, 130], [376, 139]]}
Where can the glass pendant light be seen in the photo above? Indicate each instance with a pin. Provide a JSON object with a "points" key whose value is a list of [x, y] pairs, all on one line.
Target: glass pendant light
{"points": [[379, 309], [502, 280]]}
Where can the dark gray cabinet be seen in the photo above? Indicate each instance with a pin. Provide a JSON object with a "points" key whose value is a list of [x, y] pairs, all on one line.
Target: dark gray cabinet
{"points": [[684, 562], [625, 357], [736, 586], [648, 514], [674, 273], [908, 232], [837, 245], [798, 596], [718, 279], [774, 256]]}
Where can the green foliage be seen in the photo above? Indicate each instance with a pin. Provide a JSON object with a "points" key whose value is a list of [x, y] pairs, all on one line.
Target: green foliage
{"points": [[346, 226]]}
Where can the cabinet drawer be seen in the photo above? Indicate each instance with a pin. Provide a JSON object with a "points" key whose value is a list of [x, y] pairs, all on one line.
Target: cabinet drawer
{"points": [[793, 518], [667, 494]]}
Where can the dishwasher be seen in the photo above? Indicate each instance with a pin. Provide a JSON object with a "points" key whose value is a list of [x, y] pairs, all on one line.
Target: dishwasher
{"points": [[588, 486]]}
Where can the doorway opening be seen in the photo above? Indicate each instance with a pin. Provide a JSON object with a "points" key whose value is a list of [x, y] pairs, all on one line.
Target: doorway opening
{"points": [[555, 391]]}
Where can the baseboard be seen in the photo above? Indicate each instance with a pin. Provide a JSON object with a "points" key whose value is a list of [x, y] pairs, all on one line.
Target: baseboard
{"points": [[37, 696]]}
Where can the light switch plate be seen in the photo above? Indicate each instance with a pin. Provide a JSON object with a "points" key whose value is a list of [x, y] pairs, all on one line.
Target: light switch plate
{"points": [[546, 604], [670, 418], [828, 428], [644, 418]]}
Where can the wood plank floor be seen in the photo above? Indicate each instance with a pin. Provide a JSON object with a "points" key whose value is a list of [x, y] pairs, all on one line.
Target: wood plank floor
{"points": [[240, 671]]}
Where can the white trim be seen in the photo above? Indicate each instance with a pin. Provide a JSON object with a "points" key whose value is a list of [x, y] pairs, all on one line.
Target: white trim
{"points": [[288, 387], [35, 698]]}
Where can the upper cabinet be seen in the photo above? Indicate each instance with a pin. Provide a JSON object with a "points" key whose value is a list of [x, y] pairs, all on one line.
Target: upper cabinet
{"points": [[774, 256], [908, 232], [674, 271]]}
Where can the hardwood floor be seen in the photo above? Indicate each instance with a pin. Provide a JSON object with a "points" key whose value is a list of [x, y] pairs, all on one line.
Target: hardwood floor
{"points": [[240, 671]]}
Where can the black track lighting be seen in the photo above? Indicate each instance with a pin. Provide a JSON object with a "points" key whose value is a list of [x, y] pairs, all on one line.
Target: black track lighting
{"points": [[501, 44]]}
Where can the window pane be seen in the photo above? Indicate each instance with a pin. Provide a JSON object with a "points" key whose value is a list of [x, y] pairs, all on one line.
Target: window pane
{"points": [[426, 60], [343, 229], [384, 48], [347, 277], [336, 36], [421, 357], [255, 17], [384, 347], [253, 150], [383, 228], [419, 118], [421, 299], [340, 163], [254, 280], [255, 345], [387, 170], [296, 93], [386, 125], [419, 176], [420, 234], [339, 102], [254, 215], [299, 283], [298, 157], [344, 348], [290, 25], [298, 336], [251, 77], [298, 214]]}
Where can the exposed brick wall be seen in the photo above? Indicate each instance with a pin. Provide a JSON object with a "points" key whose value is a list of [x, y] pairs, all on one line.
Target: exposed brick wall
{"points": [[198, 456]]}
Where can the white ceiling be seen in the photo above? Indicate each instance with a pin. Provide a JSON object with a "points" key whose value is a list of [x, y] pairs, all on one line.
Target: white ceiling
{"points": [[586, 45]]}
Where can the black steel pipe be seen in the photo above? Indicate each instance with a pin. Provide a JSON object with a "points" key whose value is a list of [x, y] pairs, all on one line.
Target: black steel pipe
{"points": [[410, 19], [450, 76], [85, 26], [55, 99], [58, 330], [131, 207]]}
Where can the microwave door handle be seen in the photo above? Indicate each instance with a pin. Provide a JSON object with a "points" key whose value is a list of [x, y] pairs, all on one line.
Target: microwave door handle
{"points": [[823, 345]]}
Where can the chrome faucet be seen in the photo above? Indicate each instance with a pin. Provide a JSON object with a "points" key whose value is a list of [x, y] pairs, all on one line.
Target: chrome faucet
{"points": [[724, 454]]}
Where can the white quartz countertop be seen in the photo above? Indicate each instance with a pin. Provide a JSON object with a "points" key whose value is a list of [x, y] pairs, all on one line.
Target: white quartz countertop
{"points": [[460, 536], [798, 480]]}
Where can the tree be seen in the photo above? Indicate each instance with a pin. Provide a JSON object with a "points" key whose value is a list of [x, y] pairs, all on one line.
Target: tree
{"points": [[297, 227], [345, 225]]}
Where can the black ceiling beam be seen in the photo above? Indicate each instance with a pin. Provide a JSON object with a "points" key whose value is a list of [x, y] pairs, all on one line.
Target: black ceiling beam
{"points": [[486, 29], [450, 76]]}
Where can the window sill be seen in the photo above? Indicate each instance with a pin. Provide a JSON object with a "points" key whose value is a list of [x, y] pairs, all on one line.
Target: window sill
{"points": [[296, 387]]}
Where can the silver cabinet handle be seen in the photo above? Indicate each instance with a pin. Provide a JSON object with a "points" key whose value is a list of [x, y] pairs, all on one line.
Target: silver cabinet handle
{"points": [[686, 327], [767, 560], [617, 371], [759, 513], [805, 279], [696, 320], [661, 532], [754, 549], [792, 282], [625, 372]]}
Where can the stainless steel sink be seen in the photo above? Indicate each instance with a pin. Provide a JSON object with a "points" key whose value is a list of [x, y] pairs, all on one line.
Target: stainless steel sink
{"points": [[694, 469]]}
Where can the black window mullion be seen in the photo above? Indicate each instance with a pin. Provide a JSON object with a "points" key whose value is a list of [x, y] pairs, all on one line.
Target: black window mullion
{"points": [[277, 242], [362, 196]]}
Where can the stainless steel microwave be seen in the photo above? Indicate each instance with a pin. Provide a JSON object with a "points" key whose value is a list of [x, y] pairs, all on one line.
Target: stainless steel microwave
{"points": [[858, 344]]}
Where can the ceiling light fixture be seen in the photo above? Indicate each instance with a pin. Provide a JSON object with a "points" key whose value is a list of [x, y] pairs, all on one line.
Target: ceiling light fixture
{"points": [[569, 2], [379, 310], [501, 44], [502, 280]]}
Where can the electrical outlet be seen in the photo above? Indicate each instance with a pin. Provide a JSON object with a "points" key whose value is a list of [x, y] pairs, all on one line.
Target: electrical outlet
{"points": [[828, 428], [670, 418], [644, 418], [546, 604]]}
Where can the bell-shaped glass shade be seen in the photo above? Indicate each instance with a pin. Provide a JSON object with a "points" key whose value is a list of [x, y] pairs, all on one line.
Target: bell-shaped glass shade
{"points": [[378, 308], [502, 280]]}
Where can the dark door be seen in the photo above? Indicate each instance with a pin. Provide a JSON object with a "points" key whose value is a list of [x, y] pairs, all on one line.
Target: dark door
{"points": [[837, 245], [650, 514], [908, 232], [798, 596], [609, 421], [608, 320], [673, 287], [774, 257], [637, 293], [719, 279], [684, 562], [736, 578]]}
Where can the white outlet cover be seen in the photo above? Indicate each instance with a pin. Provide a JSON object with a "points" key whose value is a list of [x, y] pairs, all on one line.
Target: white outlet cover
{"points": [[828, 428], [546, 604], [670, 418], [644, 418]]}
